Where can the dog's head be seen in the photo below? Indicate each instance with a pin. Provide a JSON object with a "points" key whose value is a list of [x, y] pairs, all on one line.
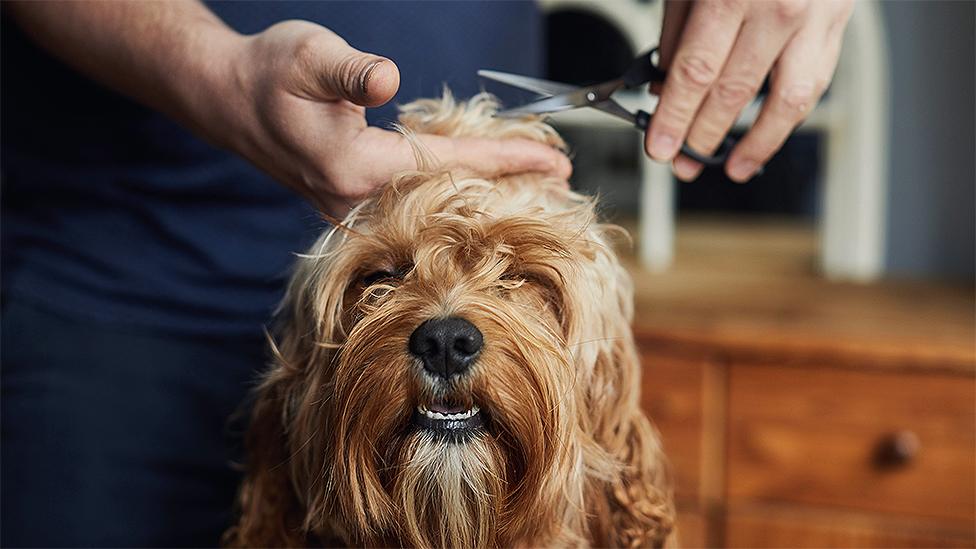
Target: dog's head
{"points": [[452, 366]]}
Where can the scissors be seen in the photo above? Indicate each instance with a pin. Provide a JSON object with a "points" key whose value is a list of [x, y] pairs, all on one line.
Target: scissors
{"points": [[557, 96]]}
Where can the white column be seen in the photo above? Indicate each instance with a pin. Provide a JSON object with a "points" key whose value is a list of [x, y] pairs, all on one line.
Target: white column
{"points": [[853, 223], [657, 213]]}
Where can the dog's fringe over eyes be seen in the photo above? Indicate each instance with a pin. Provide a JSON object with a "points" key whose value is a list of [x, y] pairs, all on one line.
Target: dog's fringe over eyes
{"points": [[547, 445]]}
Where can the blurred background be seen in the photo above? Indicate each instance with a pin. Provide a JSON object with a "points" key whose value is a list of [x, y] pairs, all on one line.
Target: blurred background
{"points": [[807, 338]]}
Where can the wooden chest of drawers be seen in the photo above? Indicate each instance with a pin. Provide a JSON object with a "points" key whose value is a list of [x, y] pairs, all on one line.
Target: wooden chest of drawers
{"points": [[801, 413], [900, 443], [811, 455]]}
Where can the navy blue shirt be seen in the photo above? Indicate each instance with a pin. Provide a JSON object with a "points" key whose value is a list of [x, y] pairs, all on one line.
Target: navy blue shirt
{"points": [[114, 213]]}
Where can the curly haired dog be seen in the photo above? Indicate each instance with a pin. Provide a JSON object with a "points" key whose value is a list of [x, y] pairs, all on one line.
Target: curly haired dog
{"points": [[455, 368]]}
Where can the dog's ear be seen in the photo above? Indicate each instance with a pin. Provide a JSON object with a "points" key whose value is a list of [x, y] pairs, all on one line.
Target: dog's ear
{"points": [[640, 500], [270, 513], [634, 507], [308, 325]]}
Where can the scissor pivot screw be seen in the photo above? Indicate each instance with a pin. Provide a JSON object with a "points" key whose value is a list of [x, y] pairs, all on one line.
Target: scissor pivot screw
{"points": [[591, 97]]}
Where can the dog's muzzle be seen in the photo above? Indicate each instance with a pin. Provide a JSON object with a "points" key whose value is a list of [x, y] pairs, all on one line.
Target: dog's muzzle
{"points": [[447, 347]]}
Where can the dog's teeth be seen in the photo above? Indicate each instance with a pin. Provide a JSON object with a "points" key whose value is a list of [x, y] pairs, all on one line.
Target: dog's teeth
{"points": [[448, 416]]}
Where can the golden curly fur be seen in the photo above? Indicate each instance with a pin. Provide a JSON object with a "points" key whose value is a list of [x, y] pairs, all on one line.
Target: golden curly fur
{"points": [[566, 456]]}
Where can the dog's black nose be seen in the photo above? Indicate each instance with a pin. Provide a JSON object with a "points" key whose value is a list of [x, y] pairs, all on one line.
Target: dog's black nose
{"points": [[446, 346]]}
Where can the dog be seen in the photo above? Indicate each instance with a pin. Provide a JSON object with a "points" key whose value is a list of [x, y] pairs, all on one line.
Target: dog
{"points": [[454, 367]]}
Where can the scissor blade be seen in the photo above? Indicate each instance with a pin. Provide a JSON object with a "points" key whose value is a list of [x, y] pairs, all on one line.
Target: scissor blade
{"points": [[611, 107], [534, 85], [579, 97], [550, 104]]}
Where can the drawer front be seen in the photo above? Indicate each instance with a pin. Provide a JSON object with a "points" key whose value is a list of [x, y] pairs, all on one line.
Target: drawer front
{"points": [[789, 528], [672, 397], [692, 530], [892, 442]]}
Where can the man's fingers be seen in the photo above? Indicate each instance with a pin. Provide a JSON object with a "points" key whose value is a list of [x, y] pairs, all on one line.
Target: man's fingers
{"points": [[705, 44], [361, 78], [685, 168], [381, 154], [675, 17], [753, 55], [498, 157], [340, 71], [795, 90]]}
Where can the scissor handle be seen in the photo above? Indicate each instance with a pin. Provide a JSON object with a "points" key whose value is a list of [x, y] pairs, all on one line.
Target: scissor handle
{"points": [[643, 119], [642, 70], [716, 159]]}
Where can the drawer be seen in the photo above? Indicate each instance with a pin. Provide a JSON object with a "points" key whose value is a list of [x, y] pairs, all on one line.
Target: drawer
{"points": [[672, 397], [692, 530], [883, 441], [782, 528]]}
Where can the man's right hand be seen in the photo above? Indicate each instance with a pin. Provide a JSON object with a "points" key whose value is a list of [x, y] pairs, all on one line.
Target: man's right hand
{"points": [[300, 92]]}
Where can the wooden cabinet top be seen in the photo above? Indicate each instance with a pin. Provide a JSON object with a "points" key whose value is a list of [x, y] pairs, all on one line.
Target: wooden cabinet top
{"points": [[752, 292]]}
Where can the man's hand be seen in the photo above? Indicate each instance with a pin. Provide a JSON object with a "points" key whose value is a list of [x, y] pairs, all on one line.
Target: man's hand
{"points": [[718, 52], [303, 91], [290, 99]]}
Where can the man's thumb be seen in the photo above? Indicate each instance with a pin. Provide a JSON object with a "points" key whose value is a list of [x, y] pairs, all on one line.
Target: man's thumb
{"points": [[362, 78]]}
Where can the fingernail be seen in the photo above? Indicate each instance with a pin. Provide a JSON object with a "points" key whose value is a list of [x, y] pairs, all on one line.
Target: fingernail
{"points": [[685, 168], [742, 170], [364, 79], [663, 146]]}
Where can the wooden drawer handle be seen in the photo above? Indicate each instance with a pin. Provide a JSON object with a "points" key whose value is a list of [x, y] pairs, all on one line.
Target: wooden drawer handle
{"points": [[897, 449]]}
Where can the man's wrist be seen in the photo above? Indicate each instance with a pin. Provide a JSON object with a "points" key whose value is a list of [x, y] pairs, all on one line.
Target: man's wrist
{"points": [[209, 96]]}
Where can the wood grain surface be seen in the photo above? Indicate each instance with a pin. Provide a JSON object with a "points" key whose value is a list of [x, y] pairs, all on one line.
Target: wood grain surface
{"points": [[751, 291], [798, 527], [815, 435]]}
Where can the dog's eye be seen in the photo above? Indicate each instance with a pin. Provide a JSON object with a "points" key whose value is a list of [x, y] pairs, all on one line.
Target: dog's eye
{"points": [[376, 277], [384, 275], [510, 281]]}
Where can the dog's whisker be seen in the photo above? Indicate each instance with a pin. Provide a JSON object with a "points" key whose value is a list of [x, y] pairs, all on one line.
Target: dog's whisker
{"points": [[597, 340]]}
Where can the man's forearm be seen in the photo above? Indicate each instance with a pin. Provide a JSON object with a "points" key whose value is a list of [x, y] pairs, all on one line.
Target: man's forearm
{"points": [[168, 55]]}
